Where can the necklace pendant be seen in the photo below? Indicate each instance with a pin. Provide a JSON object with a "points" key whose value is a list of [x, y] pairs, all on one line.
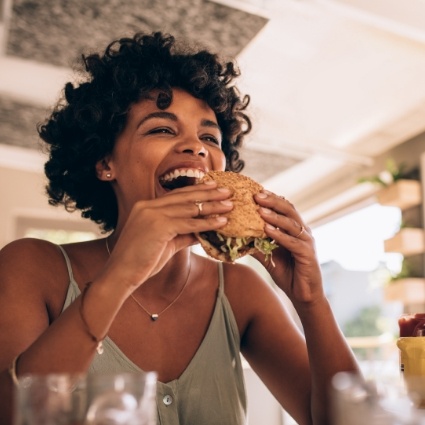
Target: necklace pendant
{"points": [[154, 317]]}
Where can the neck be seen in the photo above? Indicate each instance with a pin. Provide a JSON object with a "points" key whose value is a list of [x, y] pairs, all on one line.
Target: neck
{"points": [[173, 275], [169, 282]]}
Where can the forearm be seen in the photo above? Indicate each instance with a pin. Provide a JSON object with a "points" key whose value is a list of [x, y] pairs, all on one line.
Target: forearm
{"points": [[328, 354], [67, 345], [64, 347], [6, 398]]}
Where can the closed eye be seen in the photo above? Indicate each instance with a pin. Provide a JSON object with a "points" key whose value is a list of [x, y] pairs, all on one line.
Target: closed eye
{"points": [[211, 139], [161, 130]]}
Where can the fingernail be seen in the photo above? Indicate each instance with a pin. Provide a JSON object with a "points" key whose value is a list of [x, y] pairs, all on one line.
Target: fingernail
{"points": [[223, 189], [210, 182], [265, 210], [262, 195], [270, 227], [221, 219], [227, 203]]}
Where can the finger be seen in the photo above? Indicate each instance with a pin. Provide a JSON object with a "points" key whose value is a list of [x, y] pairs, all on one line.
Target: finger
{"points": [[196, 209], [215, 207], [279, 204], [199, 205], [301, 233], [191, 196], [293, 245], [205, 224], [184, 226], [284, 223], [198, 200], [185, 241]]}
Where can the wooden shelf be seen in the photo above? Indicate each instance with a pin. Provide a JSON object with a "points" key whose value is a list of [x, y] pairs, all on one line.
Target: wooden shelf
{"points": [[409, 291], [403, 194], [407, 241]]}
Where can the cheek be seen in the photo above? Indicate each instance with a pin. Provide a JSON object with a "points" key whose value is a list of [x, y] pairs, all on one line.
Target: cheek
{"points": [[145, 154], [218, 160]]}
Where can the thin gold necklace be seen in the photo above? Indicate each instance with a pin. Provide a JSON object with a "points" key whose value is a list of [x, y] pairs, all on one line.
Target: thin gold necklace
{"points": [[155, 316]]}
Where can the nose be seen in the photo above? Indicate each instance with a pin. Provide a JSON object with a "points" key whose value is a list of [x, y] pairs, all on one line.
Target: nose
{"points": [[193, 146]]}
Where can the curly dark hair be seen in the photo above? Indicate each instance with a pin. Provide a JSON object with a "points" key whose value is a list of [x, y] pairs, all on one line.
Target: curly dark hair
{"points": [[84, 126]]}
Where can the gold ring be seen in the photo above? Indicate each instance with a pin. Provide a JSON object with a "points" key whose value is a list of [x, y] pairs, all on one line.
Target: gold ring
{"points": [[199, 205], [301, 232]]}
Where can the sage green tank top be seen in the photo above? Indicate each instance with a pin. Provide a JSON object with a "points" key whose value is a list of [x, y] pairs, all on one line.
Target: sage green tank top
{"points": [[211, 390]]}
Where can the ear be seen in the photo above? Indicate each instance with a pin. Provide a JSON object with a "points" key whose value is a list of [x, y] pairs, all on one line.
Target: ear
{"points": [[103, 170]]}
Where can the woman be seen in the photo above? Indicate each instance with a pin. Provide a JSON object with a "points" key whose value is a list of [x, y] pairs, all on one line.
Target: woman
{"points": [[147, 112]]}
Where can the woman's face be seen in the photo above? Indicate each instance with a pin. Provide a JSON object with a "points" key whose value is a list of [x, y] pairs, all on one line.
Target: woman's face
{"points": [[159, 150]]}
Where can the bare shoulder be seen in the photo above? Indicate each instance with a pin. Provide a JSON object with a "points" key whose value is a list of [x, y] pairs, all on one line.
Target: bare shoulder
{"points": [[248, 294], [31, 245], [33, 285], [31, 265], [244, 282], [29, 254]]}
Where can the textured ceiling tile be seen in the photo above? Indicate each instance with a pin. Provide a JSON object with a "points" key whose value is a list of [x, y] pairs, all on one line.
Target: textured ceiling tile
{"points": [[263, 165], [18, 123], [58, 31]]}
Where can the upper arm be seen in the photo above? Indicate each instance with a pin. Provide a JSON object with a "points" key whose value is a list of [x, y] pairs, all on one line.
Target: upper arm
{"points": [[271, 341], [27, 267]]}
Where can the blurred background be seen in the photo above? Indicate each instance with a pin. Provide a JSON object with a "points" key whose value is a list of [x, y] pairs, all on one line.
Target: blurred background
{"points": [[338, 106]]}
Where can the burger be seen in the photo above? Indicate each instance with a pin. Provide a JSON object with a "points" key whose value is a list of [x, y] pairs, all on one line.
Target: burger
{"points": [[244, 231]]}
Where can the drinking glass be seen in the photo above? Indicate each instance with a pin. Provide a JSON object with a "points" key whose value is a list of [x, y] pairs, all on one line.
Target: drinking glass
{"points": [[385, 401], [121, 399], [54, 399]]}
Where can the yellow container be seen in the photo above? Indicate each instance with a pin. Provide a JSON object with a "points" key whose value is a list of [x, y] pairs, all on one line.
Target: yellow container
{"points": [[412, 365]]}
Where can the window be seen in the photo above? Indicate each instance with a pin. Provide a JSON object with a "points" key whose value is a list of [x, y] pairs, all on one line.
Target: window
{"points": [[58, 236], [56, 230], [355, 268], [355, 241]]}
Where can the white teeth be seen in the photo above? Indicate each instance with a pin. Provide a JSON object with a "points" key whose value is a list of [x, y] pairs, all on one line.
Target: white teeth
{"points": [[183, 173]]}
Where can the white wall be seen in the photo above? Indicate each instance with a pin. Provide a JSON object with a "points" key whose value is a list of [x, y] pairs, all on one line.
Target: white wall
{"points": [[23, 199], [263, 408]]}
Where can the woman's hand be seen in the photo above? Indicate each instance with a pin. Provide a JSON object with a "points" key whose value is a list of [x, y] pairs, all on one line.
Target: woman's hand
{"points": [[294, 265], [156, 229]]}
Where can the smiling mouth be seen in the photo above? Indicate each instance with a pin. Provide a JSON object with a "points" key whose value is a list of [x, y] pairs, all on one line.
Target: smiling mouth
{"points": [[180, 178]]}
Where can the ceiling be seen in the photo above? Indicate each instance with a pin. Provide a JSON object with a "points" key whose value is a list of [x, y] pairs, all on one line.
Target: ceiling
{"points": [[335, 84]]}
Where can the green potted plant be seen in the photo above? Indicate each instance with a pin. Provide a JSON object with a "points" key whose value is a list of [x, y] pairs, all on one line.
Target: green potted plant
{"points": [[405, 286], [395, 189]]}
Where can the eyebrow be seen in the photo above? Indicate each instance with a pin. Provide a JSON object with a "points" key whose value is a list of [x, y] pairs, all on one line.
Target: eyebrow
{"points": [[173, 117], [209, 123], [160, 114]]}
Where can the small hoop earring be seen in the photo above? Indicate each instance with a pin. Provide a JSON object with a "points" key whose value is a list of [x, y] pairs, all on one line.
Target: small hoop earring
{"points": [[108, 175]]}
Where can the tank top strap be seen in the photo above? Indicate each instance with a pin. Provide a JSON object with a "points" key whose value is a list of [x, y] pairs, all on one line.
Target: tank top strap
{"points": [[68, 264], [220, 278]]}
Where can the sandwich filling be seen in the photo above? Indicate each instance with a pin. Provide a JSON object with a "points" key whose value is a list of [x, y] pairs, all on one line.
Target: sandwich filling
{"points": [[234, 247]]}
